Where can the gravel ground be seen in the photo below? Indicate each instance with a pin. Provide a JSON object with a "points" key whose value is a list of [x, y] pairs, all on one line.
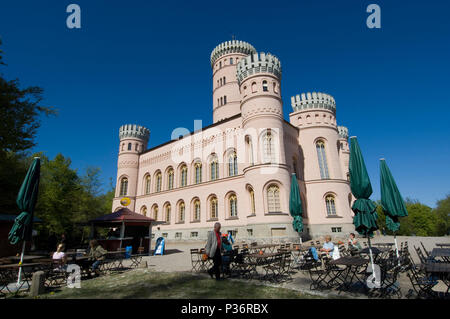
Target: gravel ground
{"points": [[178, 259]]}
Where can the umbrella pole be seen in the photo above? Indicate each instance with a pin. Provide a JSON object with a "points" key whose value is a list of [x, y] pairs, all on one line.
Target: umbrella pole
{"points": [[19, 277], [371, 258], [396, 248]]}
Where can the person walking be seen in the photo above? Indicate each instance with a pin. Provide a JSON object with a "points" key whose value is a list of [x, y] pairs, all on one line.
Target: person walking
{"points": [[213, 247]]}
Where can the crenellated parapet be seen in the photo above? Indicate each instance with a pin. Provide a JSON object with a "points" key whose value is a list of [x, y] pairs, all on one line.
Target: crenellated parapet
{"points": [[343, 132], [134, 131], [233, 46], [258, 63], [313, 100]]}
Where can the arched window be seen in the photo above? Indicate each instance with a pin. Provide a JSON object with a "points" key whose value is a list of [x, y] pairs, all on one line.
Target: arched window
{"points": [[294, 166], [196, 210], [252, 201], [129, 146], [144, 211], [221, 101], [168, 211], [224, 80], [123, 187], [331, 205], [181, 212], [224, 99], [158, 182], [214, 208], [214, 166], [269, 147], [155, 212], [232, 164], [273, 199], [265, 86], [183, 176], [231, 60], [198, 173], [323, 166], [220, 81], [250, 150], [233, 205], [147, 185], [170, 175]]}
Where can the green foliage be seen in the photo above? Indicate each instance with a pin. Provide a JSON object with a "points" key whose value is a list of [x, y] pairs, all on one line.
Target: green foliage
{"points": [[442, 212], [422, 220]]}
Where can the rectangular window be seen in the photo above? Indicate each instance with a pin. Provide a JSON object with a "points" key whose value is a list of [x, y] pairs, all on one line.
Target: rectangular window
{"points": [[178, 235], [278, 232], [250, 232], [165, 235], [194, 234]]}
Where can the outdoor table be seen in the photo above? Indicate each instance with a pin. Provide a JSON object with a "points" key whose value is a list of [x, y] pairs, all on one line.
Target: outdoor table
{"points": [[296, 253], [443, 245], [388, 245], [441, 270], [352, 267], [10, 272], [444, 253], [263, 247], [25, 258], [257, 260], [378, 253]]}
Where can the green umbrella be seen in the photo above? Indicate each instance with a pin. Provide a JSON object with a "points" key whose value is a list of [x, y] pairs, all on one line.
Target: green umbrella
{"points": [[295, 205], [391, 200], [365, 219], [26, 200]]}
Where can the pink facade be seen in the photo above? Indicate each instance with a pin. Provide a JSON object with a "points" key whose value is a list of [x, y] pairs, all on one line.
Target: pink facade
{"points": [[237, 171]]}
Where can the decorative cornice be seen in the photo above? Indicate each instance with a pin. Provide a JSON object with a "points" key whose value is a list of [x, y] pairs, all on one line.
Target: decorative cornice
{"points": [[134, 131], [313, 100], [233, 46], [343, 132], [258, 63]]}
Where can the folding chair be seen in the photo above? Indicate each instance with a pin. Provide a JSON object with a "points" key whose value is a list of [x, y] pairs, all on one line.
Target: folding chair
{"points": [[427, 253], [422, 282], [195, 259]]}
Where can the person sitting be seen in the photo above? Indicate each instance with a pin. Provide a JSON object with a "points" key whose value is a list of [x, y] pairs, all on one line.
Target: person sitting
{"points": [[226, 257], [59, 256], [96, 254], [353, 245], [328, 246]]}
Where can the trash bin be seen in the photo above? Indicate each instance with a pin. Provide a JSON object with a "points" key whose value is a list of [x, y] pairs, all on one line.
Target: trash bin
{"points": [[128, 251]]}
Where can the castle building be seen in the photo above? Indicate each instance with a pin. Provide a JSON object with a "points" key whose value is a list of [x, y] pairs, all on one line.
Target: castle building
{"points": [[238, 170]]}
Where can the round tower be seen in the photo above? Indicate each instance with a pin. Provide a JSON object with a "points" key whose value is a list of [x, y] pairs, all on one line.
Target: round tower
{"points": [[317, 113], [224, 58], [259, 78], [133, 141], [325, 150]]}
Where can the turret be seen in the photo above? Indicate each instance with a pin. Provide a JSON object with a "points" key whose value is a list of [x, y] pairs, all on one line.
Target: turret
{"points": [[226, 97], [344, 150], [133, 141], [315, 115], [259, 78]]}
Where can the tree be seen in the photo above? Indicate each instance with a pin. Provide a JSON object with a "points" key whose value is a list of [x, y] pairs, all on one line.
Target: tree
{"points": [[442, 212]]}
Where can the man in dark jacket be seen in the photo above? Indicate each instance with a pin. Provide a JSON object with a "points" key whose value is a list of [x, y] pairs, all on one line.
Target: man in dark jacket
{"points": [[213, 247]]}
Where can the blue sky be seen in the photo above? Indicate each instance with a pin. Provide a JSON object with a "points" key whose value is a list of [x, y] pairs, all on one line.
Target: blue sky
{"points": [[146, 61]]}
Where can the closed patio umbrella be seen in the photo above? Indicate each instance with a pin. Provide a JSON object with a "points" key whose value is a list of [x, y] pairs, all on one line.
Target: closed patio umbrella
{"points": [[365, 219], [295, 205], [391, 201], [26, 200]]}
